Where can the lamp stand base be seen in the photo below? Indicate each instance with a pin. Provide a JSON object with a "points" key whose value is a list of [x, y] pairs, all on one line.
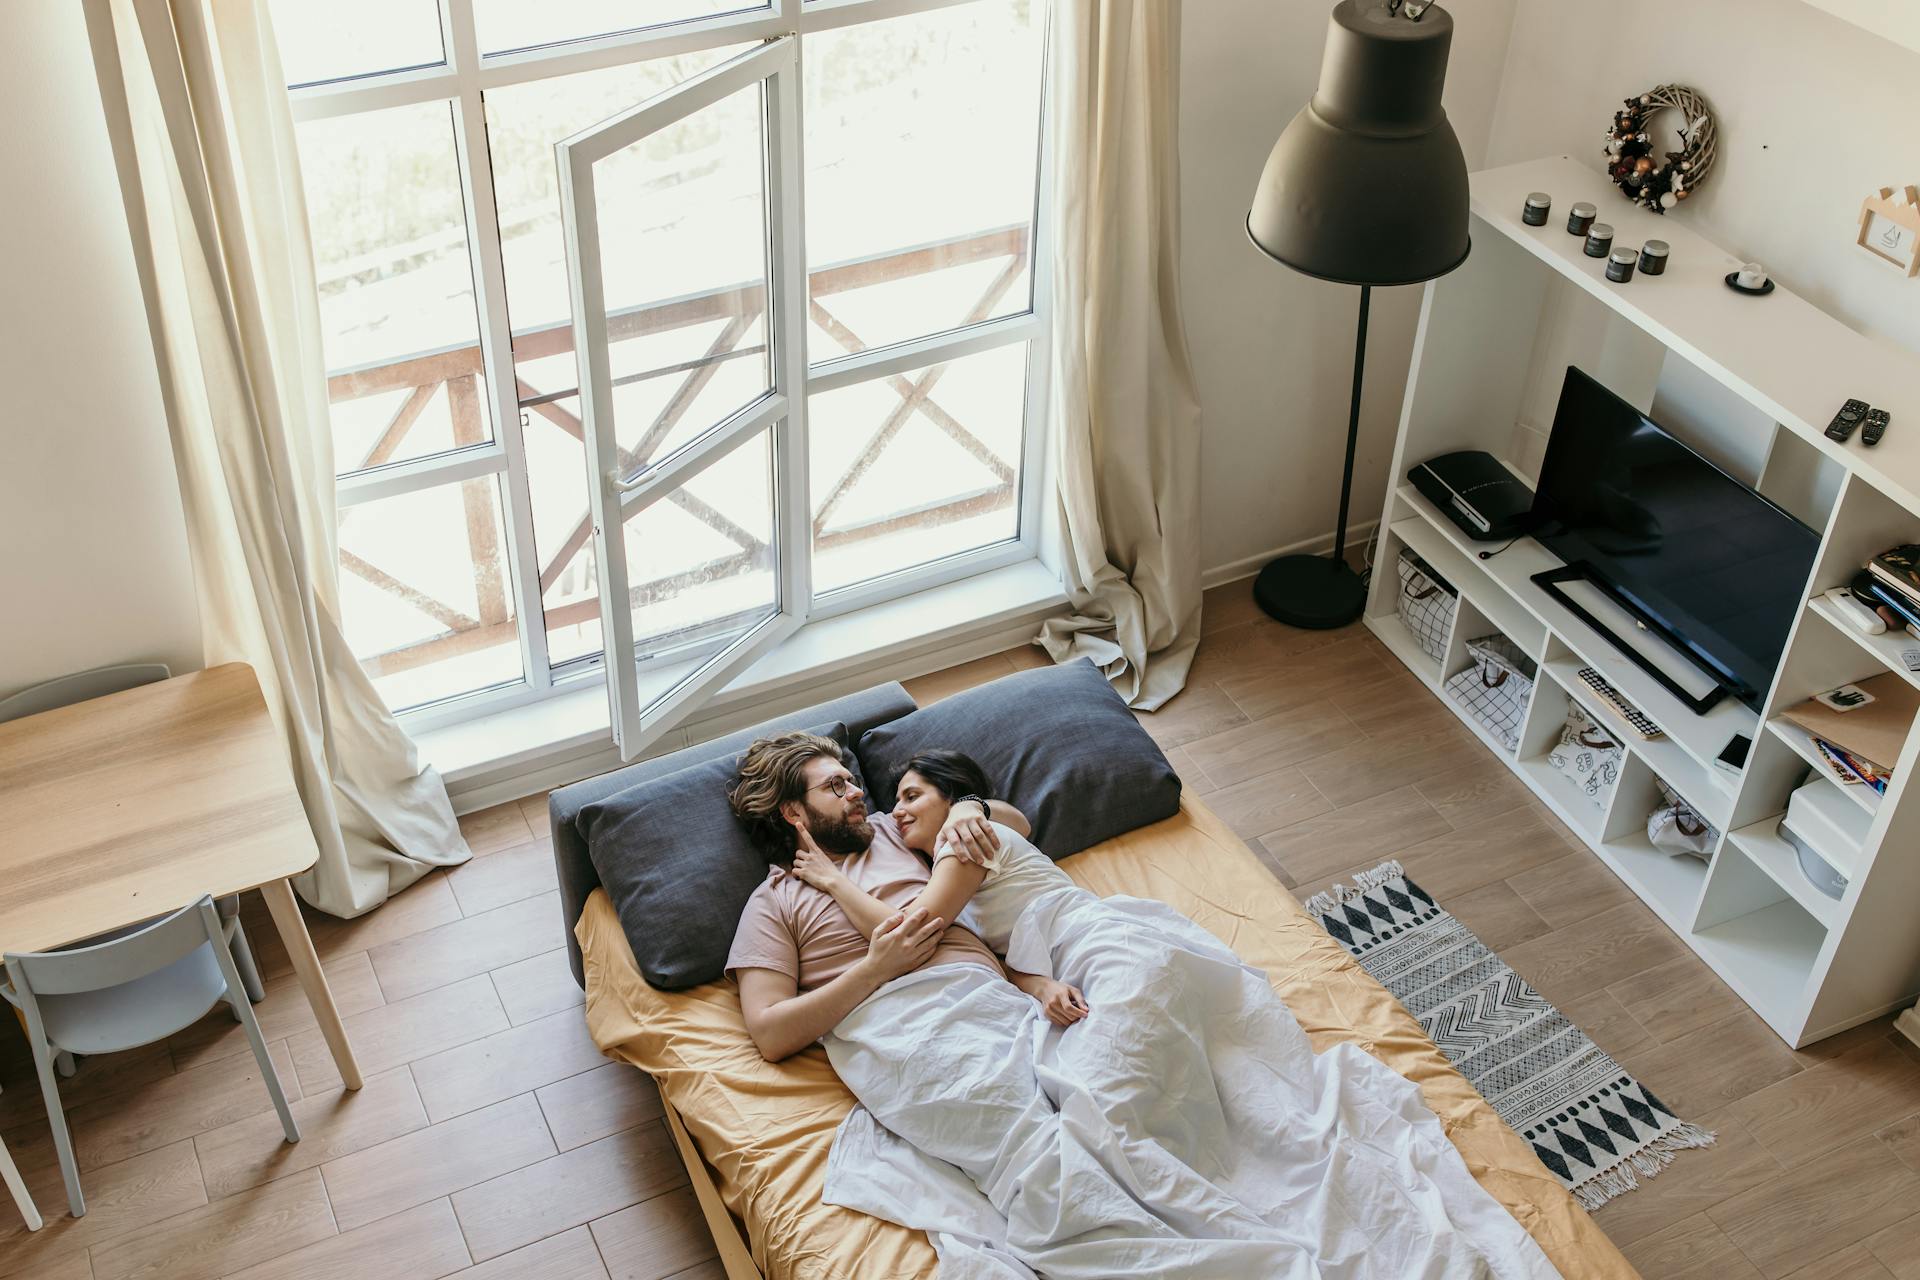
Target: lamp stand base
{"points": [[1317, 593]]}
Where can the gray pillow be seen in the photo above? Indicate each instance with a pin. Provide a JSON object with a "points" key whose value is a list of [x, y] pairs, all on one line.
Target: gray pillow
{"points": [[1056, 742], [678, 866]]}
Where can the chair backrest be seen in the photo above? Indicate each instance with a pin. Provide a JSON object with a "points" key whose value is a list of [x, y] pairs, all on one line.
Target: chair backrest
{"points": [[81, 686], [119, 960]]}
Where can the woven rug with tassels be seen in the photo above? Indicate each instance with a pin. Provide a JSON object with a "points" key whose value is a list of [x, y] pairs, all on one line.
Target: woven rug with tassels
{"points": [[1596, 1127]]}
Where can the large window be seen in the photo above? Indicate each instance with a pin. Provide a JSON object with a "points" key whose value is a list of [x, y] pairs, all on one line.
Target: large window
{"points": [[798, 242]]}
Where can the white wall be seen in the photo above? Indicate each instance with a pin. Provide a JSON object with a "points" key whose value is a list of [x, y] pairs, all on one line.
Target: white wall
{"points": [[1272, 349], [95, 567], [1814, 114]]}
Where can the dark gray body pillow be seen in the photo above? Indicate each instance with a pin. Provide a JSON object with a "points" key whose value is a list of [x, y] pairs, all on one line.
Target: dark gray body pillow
{"points": [[1057, 742], [678, 866]]}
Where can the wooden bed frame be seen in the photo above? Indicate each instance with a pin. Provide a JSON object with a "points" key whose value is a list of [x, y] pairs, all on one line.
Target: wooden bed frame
{"points": [[735, 1257]]}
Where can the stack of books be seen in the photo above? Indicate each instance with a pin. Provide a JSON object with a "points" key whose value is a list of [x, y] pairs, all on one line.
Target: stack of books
{"points": [[1890, 583]]}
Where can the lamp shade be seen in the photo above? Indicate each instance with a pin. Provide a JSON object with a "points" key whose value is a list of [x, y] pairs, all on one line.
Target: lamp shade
{"points": [[1367, 185]]}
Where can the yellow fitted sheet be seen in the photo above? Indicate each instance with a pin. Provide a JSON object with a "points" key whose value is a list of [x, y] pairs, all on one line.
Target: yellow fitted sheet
{"points": [[766, 1128]]}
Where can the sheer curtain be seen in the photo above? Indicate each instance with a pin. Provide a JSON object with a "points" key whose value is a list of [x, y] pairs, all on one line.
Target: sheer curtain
{"points": [[203, 139], [1126, 417]]}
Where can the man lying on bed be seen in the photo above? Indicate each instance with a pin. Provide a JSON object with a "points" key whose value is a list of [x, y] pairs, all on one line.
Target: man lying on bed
{"points": [[955, 1063]]}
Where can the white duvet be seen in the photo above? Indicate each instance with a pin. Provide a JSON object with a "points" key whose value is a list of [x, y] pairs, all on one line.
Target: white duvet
{"points": [[1185, 1128]]}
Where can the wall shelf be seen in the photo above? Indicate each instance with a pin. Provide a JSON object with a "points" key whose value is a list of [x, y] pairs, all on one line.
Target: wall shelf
{"points": [[1494, 342], [1887, 648], [1781, 861], [1802, 743]]}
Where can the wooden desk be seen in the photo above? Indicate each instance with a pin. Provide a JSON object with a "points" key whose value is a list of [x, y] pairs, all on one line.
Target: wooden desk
{"points": [[126, 807]]}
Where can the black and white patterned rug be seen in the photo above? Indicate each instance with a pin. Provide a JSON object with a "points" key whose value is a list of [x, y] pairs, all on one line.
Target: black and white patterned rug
{"points": [[1596, 1127]]}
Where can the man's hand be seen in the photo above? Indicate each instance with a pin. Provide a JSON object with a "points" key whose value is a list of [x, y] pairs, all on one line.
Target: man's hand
{"points": [[1063, 1005], [815, 868], [969, 835], [903, 943]]}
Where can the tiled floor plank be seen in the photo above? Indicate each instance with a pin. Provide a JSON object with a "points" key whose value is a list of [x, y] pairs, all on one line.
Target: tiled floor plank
{"points": [[404, 1030], [332, 1124], [510, 875], [1383, 827], [1695, 1249], [122, 1199], [1819, 1207], [179, 1106], [500, 827], [419, 1244], [659, 1237], [437, 957], [577, 1186], [1835, 1102], [497, 1067], [610, 1099], [285, 1012], [571, 1255], [537, 986], [437, 1161], [224, 1236]]}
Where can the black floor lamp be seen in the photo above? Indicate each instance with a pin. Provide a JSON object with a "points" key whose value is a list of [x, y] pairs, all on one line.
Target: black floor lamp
{"points": [[1366, 186]]}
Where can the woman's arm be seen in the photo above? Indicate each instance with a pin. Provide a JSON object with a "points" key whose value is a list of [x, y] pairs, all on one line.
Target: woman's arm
{"points": [[1063, 1005], [949, 888]]}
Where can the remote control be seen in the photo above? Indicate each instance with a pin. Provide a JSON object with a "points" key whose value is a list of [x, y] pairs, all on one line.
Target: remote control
{"points": [[1876, 427], [1846, 420], [1856, 613]]}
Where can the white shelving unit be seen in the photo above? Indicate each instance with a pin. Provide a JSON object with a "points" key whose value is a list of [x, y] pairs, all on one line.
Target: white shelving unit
{"points": [[1494, 342]]}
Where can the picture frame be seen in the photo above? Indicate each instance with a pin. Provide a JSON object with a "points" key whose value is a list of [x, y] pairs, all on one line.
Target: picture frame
{"points": [[1890, 228]]}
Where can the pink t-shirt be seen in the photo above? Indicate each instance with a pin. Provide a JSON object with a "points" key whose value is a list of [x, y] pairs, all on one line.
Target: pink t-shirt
{"points": [[793, 928]]}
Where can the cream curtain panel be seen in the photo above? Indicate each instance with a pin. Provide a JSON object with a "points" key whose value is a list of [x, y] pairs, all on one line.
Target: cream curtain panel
{"points": [[1126, 419], [203, 138]]}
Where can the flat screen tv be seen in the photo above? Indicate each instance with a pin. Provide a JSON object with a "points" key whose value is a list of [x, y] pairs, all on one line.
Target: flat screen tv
{"points": [[1718, 568]]}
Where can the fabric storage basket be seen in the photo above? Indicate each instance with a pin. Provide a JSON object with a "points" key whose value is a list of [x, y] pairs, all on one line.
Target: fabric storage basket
{"points": [[1586, 756], [1426, 604], [1496, 688], [1677, 827]]}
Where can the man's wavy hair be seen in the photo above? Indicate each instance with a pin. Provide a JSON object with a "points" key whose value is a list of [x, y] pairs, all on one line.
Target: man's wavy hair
{"points": [[772, 772]]}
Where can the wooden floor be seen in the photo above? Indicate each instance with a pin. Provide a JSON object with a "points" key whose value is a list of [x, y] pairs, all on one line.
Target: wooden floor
{"points": [[493, 1142]]}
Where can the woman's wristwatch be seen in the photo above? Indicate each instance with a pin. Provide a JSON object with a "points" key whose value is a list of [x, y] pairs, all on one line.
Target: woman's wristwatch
{"points": [[986, 807]]}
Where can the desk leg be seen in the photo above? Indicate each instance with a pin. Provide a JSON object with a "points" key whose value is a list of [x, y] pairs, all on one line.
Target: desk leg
{"points": [[306, 966]]}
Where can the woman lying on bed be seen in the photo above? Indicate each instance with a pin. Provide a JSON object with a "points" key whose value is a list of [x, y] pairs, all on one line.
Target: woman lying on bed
{"points": [[1166, 1036], [1110, 960]]}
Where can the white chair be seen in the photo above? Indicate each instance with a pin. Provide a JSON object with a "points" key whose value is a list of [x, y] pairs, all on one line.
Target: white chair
{"points": [[21, 1199], [84, 686], [129, 991]]}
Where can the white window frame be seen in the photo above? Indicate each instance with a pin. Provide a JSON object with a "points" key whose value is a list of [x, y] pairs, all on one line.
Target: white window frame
{"points": [[462, 80]]}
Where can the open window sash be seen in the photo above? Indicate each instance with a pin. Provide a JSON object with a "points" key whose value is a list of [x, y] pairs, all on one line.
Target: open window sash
{"points": [[687, 617]]}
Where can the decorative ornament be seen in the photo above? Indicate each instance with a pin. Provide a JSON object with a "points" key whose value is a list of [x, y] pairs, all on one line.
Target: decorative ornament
{"points": [[1630, 160], [1890, 228]]}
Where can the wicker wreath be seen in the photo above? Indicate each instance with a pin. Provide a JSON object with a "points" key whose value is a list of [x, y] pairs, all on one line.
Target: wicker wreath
{"points": [[1630, 150]]}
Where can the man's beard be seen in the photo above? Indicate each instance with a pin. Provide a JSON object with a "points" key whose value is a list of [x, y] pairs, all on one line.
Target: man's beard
{"points": [[835, 835]]}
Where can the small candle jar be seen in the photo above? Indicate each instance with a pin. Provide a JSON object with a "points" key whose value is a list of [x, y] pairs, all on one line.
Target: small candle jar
{"points": [[1653, 258], [1599, 240], [1534, 213], [1620, 265], [1579, 218]]}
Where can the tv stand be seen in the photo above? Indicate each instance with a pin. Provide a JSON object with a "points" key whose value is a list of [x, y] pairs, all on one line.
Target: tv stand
{"points": [[1494, 341]]}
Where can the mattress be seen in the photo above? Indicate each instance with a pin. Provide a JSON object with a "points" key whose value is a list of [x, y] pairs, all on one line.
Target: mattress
{"points": [[766, 1128]]}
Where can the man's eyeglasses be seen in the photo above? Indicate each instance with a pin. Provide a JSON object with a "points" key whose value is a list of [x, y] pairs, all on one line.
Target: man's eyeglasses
{"points": [[839, 786]]}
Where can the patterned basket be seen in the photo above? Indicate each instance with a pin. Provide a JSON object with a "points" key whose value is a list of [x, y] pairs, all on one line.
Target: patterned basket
{"points": [[1427, 603], [1497, 687]]}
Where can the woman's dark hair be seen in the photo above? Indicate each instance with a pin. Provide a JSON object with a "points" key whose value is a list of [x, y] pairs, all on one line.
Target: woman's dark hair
{"points": [[952, 773]]}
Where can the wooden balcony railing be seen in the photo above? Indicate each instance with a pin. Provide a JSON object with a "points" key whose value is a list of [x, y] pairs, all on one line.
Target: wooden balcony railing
{"points": [[459, 370]]}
